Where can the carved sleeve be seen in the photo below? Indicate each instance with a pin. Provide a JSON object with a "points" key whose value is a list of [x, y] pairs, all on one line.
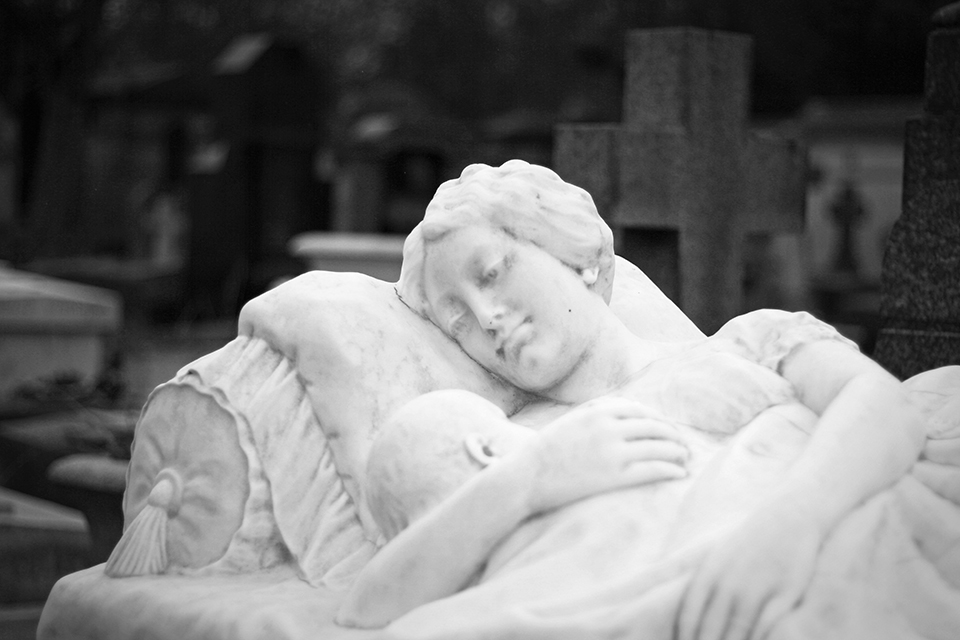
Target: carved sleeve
{"points": [[768, 336]]}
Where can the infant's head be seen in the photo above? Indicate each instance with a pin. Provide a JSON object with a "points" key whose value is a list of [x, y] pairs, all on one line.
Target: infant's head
{"points": [[430, 447]]}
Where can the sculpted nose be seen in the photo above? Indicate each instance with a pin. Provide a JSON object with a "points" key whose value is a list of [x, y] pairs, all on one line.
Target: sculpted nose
{"points": [[491, 319], [489, 314]]}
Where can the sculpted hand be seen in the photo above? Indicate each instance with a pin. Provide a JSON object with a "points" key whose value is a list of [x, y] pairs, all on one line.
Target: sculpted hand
{"points": [[600, 446], [752, 579]]}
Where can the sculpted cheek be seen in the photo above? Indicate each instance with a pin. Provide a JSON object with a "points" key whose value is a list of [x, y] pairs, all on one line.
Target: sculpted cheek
{"points": [[479, 350]]}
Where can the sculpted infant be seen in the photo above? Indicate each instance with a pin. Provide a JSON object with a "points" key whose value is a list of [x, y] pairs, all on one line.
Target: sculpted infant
{"points": [[439, 441], [766, 482], [436, 442]]}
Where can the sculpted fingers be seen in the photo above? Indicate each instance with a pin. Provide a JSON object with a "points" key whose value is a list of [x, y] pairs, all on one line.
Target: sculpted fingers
{"points": [[647, 449], [647, 428], [622, 408], [743, 617], [746, 585], [650, 452], [637, 410], [714, 611], [693, 609], [716, 618], [781, 601], [652, 471], [708, 610], [772, 612]]}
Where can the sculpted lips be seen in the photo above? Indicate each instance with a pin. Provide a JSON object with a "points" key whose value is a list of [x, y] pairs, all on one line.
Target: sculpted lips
{"points": [[514, 340]]}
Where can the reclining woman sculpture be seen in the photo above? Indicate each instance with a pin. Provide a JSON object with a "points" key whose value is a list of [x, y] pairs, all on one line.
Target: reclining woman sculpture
{"points": [[804, 510], [516, 265]]}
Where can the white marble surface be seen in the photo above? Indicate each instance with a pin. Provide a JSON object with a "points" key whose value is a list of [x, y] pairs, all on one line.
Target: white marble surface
{"points": [[322, 361], [264, 605]]}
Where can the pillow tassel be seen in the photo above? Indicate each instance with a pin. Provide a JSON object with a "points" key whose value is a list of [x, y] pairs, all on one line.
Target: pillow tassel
{"points": [[142, 549]]}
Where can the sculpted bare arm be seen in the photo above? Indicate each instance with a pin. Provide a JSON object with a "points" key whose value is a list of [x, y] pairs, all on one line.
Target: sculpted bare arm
{"points": [[868, 435], [459, 534], [595, 448]]}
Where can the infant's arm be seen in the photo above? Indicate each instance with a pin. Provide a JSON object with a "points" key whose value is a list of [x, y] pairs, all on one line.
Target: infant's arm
{"points": [[442, 552], [594, 448]]}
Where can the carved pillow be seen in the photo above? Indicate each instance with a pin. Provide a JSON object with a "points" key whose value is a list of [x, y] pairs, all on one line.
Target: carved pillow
{"points": [[251, 478], [191, 440], [646, 310]]}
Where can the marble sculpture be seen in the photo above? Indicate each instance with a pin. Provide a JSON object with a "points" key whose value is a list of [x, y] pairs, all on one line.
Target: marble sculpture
{"points": [[254, 508]]}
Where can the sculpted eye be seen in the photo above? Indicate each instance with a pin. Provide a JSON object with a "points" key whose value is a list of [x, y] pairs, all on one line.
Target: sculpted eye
{"points": [[494, 271]]}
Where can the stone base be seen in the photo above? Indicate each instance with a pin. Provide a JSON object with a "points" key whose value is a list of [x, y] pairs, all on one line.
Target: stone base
{"points": [[274, 604], [908, 350]]}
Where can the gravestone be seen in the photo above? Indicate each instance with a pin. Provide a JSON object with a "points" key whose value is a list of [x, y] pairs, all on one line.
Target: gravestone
{"points": [[682, 180], [920, 297], [843, 295], [51, 332], [848, 212]]}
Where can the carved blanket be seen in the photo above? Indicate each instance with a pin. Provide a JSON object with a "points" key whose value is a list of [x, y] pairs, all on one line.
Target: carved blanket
{"points": [[617, 565]]}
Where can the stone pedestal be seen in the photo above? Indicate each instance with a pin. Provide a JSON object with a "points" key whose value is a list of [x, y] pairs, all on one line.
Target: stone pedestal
{"points": [[920, 304], [378, 256]]}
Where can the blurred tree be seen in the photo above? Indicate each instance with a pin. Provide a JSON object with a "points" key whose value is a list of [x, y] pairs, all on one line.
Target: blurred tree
{"points": [[873, 46], [51, 51], [555, 59], [817, 47]]}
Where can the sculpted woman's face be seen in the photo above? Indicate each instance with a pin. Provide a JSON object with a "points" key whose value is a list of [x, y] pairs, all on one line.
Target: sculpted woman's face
{"points": [[514, 308]]}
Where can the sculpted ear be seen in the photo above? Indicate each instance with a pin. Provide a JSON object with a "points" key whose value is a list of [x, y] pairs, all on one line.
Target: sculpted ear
{"points": [[479, 449], [590, 275]]}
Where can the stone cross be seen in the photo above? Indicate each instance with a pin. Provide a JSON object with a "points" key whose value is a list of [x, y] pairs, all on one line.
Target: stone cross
{"points": [[920, 281], [682, 180], [848, 212]]}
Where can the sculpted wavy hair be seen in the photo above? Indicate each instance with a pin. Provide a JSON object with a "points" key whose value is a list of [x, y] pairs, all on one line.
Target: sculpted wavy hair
{"points": [[528, 202]]}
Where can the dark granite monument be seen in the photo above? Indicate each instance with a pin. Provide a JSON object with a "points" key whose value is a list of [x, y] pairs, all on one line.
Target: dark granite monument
{"points": [[920, 304], [683, 181]]}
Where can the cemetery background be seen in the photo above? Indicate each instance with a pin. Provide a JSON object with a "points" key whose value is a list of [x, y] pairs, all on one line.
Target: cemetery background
{"points": [[170, 151]]}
